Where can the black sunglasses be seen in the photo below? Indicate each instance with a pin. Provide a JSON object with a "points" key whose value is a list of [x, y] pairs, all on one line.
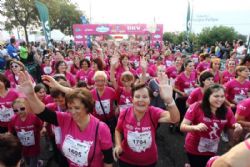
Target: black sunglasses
{"points": [[20, 109]]}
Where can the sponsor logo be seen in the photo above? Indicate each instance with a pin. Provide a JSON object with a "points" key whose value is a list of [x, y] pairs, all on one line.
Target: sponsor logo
{"points": [[102, 29], [157, 36], [79, 37]]}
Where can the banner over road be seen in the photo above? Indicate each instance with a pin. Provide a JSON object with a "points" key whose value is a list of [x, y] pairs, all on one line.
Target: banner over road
{"points": [[80, 30]]}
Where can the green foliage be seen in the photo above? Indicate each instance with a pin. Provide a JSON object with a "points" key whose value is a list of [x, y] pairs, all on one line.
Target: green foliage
{"points": [[211, 35], [19, 13], [63, 14]]}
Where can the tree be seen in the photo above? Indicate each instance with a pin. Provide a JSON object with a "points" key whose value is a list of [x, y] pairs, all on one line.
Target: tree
{"points": [[19, 13], [63, 14], [210, 36]]}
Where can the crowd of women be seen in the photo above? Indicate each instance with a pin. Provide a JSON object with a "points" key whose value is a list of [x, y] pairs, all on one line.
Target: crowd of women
{"points": [[104, 104]]}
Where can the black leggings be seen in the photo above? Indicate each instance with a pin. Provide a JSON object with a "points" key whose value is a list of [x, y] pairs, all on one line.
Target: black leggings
{"points": [[124, 164], [198, 160]]}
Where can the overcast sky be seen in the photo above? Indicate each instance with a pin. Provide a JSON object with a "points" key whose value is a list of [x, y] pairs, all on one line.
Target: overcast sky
{"points": [[171, 13]]}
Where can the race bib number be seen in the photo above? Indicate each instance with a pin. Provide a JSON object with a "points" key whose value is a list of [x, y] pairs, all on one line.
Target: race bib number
{"points": [[27, 138], [47, 70], [239, 98], [6, 114], [168, 63], [76, 151], [139, 141], [105, 104], [188, 90], [208, 145]]}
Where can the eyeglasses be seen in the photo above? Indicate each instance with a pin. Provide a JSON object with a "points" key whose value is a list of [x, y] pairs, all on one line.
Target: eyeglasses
{"points": [[14, 66], [20, 109]]}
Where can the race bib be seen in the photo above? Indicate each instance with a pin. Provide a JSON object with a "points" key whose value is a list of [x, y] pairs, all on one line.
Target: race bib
{"points": [[106, 106], [27, 138], [88, 58], [76, 151], [168, 63], [58, 134], [136, 63], [238, 98], [47, 70], [6, 114], [139, 141], [188, 90], [195, 60], [208, 145]]}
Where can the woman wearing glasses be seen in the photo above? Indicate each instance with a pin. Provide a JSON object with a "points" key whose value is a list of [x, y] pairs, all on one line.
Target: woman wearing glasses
{"points": [[27, 127], [16, 67]]}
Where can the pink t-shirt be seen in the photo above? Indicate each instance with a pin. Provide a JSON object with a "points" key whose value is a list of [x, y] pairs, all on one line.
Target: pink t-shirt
{"points": [[150, 71], [172, 72], [235, 91], [227, 76], [205, 143], [124, 98], [185, 84], [28, 132], [202, 66], [71, 79], [107, 99], [78, 146], [217, 77], [139, 145], [6, 111], [48, 99], [74, 69], [243, 109], [195, 96], [118, 72], [82, 75]]}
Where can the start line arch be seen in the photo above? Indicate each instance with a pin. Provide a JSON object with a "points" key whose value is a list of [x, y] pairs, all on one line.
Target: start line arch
{"points": [[80, 31]]}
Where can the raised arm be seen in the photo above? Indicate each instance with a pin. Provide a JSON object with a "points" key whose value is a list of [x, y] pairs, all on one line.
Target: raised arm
{"points": [[166, 92]]}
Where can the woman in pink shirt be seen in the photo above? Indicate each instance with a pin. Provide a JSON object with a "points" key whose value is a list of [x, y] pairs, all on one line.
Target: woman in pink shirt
{"points": [[7, 96], [61, 68], [16, 67], [135, 132], [105, 98], [203, 65], [237, 89], [75, 67], [123, 93], [215, 69], [204, 123], [82, 74], [206, 79], [27, 127], [229, 74], [85, 141], [185, 83], [46, 65], [174, 70], [242, 115]]}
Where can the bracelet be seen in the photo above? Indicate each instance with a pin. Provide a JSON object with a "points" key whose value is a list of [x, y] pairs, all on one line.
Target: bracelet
{"points": [[170, 104]]}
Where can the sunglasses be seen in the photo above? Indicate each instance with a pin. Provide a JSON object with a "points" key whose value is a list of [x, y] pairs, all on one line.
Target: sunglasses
{"points": [[14, 66], [20, 109]]}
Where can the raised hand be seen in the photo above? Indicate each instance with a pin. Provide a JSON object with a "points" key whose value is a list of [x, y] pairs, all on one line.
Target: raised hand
{"points": [[24, 83], [200, 127], [166, 89], [143, 64], [50, 81], [114, 60]]}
